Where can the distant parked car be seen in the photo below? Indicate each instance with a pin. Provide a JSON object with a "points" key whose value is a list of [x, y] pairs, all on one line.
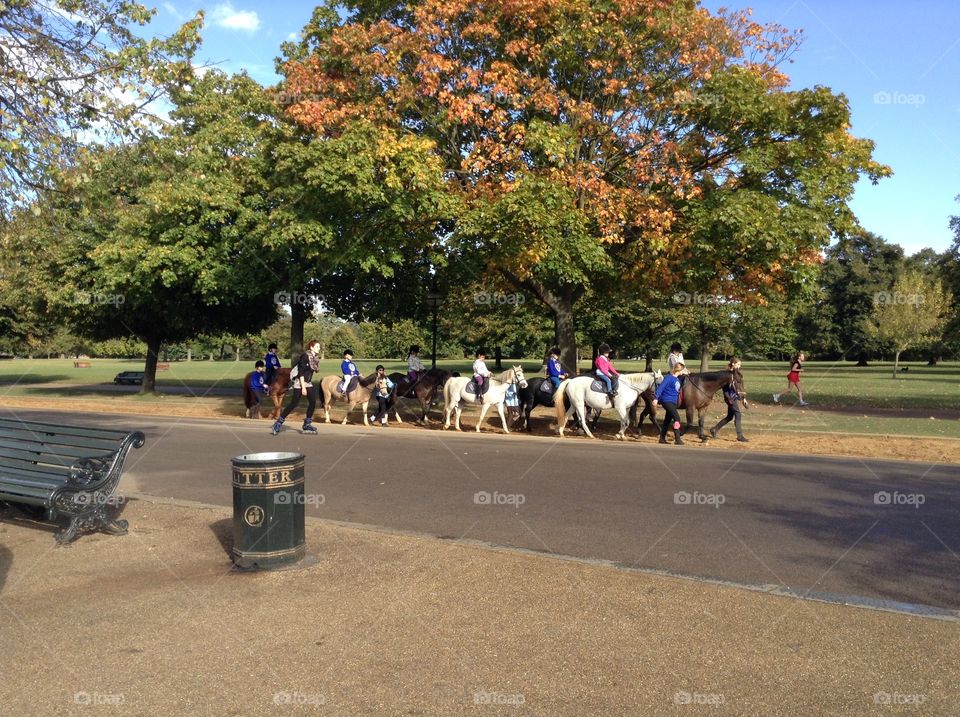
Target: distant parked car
{"points": [[131, 377]]}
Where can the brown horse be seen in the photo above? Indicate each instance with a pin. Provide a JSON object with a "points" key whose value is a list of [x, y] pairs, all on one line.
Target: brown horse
{"points": [[425, 390], [281, 380], [700, 388], [361, 394]]}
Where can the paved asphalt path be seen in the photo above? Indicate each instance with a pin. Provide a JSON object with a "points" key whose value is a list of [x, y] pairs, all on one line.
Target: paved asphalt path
{"points": [[807, 523]]}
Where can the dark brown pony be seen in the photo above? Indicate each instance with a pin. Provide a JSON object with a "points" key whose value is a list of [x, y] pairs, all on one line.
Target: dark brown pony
{"points": [[281, 380], [700, 388], [425, 390]]}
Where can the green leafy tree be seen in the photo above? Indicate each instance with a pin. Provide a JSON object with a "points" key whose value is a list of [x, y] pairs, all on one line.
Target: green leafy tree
{"points": [[75, 71], [857, 269], [621, 147], [160, 239], [914, 312]]}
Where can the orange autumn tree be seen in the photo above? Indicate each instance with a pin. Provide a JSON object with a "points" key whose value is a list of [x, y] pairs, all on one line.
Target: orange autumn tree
{"points": [[635, 147]]}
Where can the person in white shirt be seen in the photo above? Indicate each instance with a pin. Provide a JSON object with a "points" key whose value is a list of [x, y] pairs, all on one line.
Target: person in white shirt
{"points": [[676, 357], [414, 365], [481, 374]]}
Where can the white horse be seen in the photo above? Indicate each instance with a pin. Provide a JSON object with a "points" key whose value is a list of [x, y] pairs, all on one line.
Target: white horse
{"points": [[455, 392], [580, 395]]}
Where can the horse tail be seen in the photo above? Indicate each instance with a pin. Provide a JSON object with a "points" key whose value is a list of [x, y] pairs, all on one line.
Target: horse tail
{"points": [[247, 393], [447, 398], [559, 402]]}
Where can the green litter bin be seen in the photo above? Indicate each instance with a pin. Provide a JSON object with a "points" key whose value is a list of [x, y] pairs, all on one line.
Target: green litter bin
{"points": [[268, 525]]}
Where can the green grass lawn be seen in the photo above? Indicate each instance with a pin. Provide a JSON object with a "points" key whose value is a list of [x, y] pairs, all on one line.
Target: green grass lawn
{"points": [[846, 392]]}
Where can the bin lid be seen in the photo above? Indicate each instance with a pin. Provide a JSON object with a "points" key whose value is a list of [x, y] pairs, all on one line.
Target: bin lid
{"points": [[270, 457]]}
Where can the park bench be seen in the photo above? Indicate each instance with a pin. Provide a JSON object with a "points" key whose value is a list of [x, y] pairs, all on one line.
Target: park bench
{"points": [[65, 471]]}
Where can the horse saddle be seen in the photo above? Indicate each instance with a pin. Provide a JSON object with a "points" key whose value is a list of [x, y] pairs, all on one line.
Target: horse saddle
{"points": [[547, 387], [471, 387], [341, 387], [600, 387]]}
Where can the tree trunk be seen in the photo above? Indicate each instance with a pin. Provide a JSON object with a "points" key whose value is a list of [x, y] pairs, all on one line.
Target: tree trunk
{"points": [[560, 302], [498, 358], [649, 365], [298, 317], [862, 359], [149, 384], [704, 357], [189, 355], [933, 361], [896, 363], [237, 349]]}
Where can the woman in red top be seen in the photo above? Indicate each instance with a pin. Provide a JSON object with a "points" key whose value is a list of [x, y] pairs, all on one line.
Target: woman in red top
{"points": [[793, 379]]}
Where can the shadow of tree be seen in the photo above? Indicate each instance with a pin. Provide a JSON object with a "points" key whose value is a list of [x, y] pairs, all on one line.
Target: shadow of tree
{"points": [[897, 538]]}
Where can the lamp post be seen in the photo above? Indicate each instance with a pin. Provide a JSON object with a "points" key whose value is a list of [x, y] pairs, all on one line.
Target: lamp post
{"points": [[433, 301]]}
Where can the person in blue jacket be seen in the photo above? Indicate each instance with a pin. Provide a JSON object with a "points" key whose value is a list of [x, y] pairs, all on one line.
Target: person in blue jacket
{"points": [[272, 363], [350, 372], [555, 371], [258, 388], [668, 395]]}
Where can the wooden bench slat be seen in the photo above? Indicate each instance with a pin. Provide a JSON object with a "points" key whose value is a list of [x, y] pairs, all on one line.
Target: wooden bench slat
{"points": [[38, 427], [30, 496], [68, 453], [8, 465], [33, 480], [26, 437]]}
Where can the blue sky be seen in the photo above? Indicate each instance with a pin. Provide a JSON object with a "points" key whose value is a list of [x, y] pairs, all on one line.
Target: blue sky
{"points": [[897, 63]]}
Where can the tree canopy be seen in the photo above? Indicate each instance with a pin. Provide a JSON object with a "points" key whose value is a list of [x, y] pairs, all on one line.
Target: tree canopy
{"points": [[642, 145], [73, 71]]}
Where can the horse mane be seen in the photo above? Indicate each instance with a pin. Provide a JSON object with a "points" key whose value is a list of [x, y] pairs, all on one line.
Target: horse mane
{"points": [[711, 375], [366, 381]]}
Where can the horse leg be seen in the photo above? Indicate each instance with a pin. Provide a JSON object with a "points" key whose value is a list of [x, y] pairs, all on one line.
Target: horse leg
{"points": [[364, 409], [700, 417], [484, 407], [503, 419], [581, 410], [457, 409], [624, 423]]}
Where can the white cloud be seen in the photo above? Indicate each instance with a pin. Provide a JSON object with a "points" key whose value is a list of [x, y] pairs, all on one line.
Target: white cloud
{"points": [[226, 16], [172, 9]]}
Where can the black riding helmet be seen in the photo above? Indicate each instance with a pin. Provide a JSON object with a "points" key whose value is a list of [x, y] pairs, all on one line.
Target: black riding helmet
{"points": [[348, 352], [603, 349]]}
